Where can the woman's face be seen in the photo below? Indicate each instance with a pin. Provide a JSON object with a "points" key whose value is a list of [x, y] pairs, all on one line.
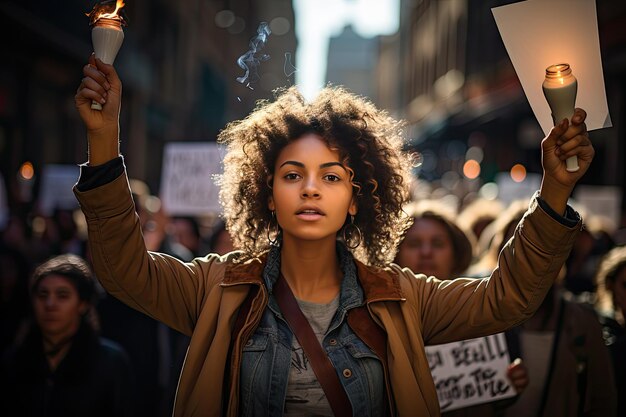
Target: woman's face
{"points": [[619, 291], [58, 308], [311, 191], [427, 249]]}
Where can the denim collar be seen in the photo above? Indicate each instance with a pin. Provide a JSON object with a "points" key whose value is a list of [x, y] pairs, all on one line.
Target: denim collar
{"points": [[351, 294]]}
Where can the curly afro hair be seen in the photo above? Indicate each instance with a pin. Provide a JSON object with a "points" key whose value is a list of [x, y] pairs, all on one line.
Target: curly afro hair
{"points": [[369, 143]]}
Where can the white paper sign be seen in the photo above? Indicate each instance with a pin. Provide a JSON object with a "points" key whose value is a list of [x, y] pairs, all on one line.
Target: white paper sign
{"points": [[56, 186], [540, 33], [187, 181], [470, 372]]}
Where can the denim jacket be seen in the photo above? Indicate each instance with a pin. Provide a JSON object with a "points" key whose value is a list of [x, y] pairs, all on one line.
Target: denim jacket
{"points": [[266, 356]]}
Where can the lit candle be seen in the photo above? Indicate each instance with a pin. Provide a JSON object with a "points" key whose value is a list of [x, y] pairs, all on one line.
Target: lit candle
{"points": [[106, 34], [559, 88]]}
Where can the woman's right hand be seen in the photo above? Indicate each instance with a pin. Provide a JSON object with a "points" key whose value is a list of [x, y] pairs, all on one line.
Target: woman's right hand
{"points": [[100, 84]]}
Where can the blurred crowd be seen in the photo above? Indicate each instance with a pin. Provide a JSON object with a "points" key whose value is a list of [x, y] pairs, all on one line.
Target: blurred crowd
{"points": [[68, 348]]}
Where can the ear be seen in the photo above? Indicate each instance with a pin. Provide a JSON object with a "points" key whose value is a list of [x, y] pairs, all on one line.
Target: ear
{"points": [[353, 208], [270, 203], [83, 307]]}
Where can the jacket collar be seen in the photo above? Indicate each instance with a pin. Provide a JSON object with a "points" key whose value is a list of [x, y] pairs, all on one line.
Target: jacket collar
{"points": [[379, 284]]}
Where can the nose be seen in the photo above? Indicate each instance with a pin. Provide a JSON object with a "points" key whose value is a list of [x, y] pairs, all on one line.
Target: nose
{"points": [[310, 188], [50, 303], [426, 249]]}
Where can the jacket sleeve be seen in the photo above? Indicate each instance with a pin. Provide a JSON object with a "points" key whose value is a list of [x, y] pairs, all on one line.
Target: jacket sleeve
{"points": [[156, 284], [466, 308]]}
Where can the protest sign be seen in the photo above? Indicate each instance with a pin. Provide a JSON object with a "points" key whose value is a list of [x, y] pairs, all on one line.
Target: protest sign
{"points": [[56, 186], [470, 372], [188, 178]]}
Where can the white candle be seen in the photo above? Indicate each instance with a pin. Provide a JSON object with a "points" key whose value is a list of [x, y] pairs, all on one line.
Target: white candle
{"points": [[560, 88]]}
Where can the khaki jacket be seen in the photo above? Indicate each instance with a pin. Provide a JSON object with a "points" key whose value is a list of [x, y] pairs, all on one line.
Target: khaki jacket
{"points": [[201, 299]]}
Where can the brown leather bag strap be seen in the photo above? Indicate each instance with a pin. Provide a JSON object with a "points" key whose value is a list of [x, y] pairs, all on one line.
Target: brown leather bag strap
{"points": [[323, 368]]}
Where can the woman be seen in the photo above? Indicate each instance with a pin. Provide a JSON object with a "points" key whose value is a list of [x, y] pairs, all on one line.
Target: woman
{"points": [[301, 176], [435, 244], [63, 368]]}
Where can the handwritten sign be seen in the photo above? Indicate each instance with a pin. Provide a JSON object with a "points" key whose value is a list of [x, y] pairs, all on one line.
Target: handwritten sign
{"points": [[188, 178], [470, 372]]}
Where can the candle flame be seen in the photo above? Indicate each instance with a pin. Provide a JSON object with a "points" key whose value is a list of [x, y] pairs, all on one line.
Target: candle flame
{"points": [[103, 9], [118, 5]]}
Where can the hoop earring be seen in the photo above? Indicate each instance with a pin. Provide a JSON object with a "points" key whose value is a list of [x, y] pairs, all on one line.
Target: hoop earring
{"points": [[353, 233], [273, 242]]}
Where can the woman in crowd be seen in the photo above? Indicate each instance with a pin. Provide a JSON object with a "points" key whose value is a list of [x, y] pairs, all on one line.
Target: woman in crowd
{"points": [[313, 196], [63, 368]]}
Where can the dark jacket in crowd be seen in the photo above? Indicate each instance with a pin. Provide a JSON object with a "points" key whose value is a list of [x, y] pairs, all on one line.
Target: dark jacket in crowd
{"points": [[93, 379]]}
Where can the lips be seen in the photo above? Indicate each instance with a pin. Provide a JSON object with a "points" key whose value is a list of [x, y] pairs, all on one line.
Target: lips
{"points": [[310, 214], [310, 211]]}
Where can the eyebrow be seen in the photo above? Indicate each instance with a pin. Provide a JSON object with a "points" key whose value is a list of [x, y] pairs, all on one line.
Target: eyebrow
{"points": [[324, 165]]}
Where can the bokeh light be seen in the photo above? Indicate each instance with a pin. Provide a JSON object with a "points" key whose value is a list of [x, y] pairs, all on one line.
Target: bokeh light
{"points": [[27, 171], [489, 191], [475, 153], [279, 26], [518, 173], [471, 169], [450, 180], [224, 19]]}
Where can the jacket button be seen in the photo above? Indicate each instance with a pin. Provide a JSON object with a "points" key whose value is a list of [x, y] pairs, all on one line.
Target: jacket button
{"points": [[347, 373], [332, 342], [249, 342]]}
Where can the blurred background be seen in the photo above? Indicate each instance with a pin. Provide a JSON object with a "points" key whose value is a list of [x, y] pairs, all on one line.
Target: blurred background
{"points": [[441, 65]]}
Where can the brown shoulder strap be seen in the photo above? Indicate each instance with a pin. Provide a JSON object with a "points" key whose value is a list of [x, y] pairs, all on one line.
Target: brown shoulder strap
{"points": [[323, 368]]}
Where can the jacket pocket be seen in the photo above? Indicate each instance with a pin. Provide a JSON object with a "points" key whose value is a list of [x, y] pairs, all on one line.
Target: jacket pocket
{"points": [[254, 373]]}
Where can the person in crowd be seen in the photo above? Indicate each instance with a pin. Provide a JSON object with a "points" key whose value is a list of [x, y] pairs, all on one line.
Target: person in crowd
{"points": [[569, 367], [220, 241], [186, 231], [479, 214], [611, 305], [14, 299], [495, 237], [63, 368], [313, 195], [437, 246], [594, 241]]}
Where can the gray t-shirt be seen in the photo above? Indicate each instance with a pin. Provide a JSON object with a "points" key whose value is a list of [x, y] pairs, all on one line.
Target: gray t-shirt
{"points": [[305, 396]]}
